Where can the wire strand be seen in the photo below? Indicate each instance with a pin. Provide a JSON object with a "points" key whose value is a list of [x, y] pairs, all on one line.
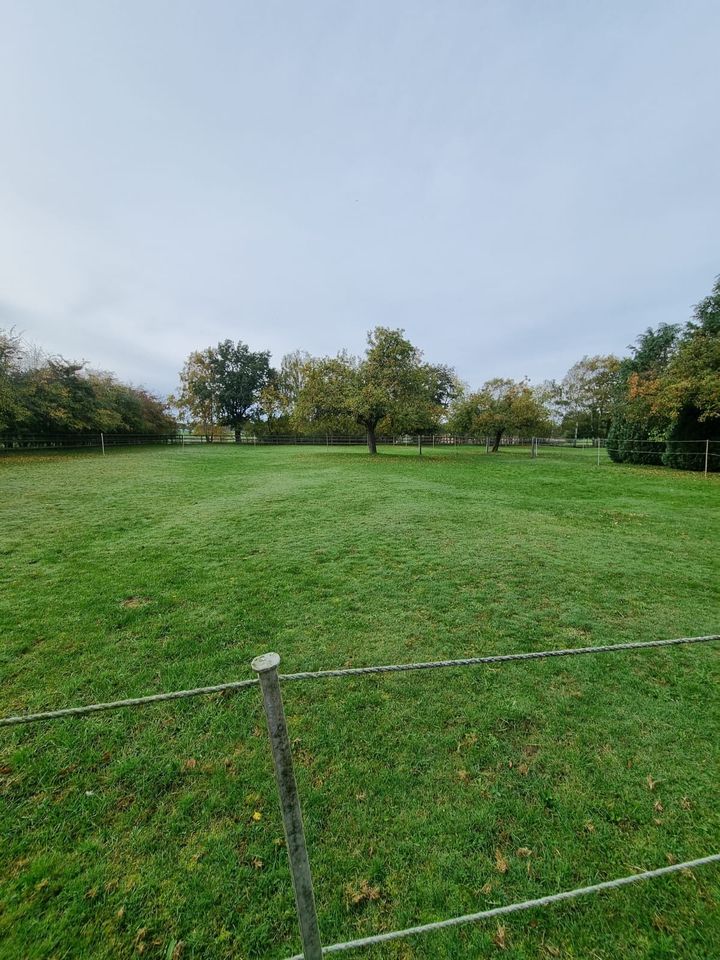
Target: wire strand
{"points": [[347, 672], [499, 658], [131, 702], [516, 907]]}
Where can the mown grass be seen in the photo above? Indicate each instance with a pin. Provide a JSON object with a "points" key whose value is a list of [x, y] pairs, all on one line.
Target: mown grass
{"points": [[156, 831]]}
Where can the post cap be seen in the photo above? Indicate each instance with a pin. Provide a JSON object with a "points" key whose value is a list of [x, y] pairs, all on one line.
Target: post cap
{"points": [[268, 661]]}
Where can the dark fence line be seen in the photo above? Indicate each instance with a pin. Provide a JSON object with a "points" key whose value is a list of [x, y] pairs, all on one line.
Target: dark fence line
{"points": [[698, 455], [98, 440], [80, 441]]}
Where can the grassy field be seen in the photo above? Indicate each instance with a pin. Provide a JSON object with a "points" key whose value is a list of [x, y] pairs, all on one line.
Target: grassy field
{"points": [[156, 831]]}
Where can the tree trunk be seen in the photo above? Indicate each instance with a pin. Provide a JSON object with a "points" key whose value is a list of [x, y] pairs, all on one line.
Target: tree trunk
{"points": [[238, 434], [371, 440], [496, 444]]}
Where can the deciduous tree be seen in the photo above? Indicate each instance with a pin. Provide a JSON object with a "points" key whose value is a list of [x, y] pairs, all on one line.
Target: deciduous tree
{"points": [[586, 394], [239, 375], [222, 385], [501, 406], [391, 387], [197, 398]]}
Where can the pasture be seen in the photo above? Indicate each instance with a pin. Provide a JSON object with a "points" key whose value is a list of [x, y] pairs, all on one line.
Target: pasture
{"points": [[156, 832]]}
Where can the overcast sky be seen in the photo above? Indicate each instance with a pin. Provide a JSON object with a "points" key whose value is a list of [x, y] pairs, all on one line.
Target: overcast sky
{"points": [[514, 183]]}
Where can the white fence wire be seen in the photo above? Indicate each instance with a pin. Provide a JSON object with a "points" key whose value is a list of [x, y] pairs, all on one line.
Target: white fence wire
{"points": [[269, 679]]}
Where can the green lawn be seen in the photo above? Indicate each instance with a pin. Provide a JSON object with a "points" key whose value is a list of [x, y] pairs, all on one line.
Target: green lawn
{"points": [[156, 831]]}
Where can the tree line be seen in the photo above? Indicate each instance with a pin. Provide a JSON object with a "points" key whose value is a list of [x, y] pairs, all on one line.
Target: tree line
{"points": [[391, 390], [47, 395], [647, 405], [666, 392]]}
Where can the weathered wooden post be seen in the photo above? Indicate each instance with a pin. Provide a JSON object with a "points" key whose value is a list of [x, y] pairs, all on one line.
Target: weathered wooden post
{"points": [[266, 668]]}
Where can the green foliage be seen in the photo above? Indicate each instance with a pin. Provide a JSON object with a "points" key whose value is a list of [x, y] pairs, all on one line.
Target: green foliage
{"points": [[222, 386], [628, 442], [670, 391], [692, 380], [56, 396], [391, 389], [585, 396], [197, 399], [637, 433], [687, 439], [279, 397], [12, 412], [239, 375], [501, 406]]}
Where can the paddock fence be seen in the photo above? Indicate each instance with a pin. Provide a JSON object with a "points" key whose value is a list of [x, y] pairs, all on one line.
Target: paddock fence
{"points": [[21, 442], [10, 442], [701, 456], [269, 680]]}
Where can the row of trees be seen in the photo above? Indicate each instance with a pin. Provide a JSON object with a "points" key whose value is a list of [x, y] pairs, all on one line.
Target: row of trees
{"points": [[666, 392], [50, 395], [390, 390], [648, 405]]}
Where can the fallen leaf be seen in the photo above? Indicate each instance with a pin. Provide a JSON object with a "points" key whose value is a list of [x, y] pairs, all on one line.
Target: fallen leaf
{"points": [[257, 816], [190, 764], [362, 892], [523, 852], [257, 863], [686, 803], [671, 858], [500, 938], [658, 807], [501, 864], [589, 827], [650, 782], [487, 889], [523, 769]]}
